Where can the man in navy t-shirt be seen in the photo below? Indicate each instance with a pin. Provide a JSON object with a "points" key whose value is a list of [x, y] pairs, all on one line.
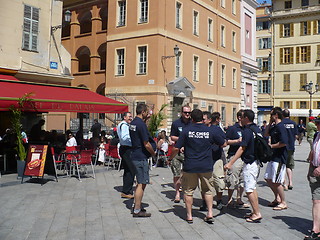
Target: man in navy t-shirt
{"points": [[292, 130], [276, 169], [251, 167], [197, 141], [141, 151]]}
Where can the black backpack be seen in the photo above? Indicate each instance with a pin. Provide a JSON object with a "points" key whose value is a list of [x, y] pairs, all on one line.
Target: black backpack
{"points": [[262, 150]]}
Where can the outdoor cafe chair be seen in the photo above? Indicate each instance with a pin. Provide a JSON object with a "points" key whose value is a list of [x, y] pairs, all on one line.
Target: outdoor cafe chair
{"points": [[113, 158], [85, 158]]}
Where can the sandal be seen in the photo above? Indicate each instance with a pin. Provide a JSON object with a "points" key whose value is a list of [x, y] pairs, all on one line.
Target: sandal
{"points": [[249, 215], [280, 208], [189, 221], [312, 236], [209, 220], [273, 204], [257, 220]]}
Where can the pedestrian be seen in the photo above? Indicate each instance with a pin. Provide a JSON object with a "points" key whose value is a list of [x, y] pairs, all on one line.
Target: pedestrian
{"points": [[234, 176], [197, 141], [95, 129], [301, 131], [314, 183], [311, 130], [35, 133], [263, 130], [141, 151], [292, 131], [276, 168], [176, 164], [251, 167], [125, 152], [102, 151]]}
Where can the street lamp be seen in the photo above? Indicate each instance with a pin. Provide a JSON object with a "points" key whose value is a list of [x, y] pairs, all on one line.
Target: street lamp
{"points": [[309, 89], [176, 53], [67, 19]]}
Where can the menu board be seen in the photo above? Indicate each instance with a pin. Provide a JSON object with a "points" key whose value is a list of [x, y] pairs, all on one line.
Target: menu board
{"points": [[36, 160]]}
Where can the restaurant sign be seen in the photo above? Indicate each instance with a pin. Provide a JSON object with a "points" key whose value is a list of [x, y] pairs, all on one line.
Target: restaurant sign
{"points": [[36, 160]]}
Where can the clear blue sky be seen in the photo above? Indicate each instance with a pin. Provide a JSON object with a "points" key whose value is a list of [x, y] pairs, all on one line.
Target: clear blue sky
{"points": [[261, 1]]}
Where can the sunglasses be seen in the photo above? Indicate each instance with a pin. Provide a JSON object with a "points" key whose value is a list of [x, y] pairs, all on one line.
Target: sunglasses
{"points": [[187, 112]]}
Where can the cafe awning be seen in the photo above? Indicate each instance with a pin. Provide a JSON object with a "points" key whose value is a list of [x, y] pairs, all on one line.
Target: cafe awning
{"points": [[303, 112], [55, 98]]}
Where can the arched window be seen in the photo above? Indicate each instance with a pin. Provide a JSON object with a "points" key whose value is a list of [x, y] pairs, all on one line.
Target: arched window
{"points": [[102, 54], [85, 22], [83, 55], [104, 17]]}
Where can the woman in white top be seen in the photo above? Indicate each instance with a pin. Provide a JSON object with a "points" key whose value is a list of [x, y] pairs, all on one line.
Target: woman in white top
{"points": [[71, 140], [102, 151]]}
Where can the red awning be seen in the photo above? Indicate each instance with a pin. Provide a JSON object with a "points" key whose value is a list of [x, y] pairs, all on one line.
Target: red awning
{"points": [[53, 98]]}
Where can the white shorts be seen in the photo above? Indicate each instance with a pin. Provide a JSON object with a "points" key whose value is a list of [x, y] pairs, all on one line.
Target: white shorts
{"points": [[250, 176], [276, 172]]}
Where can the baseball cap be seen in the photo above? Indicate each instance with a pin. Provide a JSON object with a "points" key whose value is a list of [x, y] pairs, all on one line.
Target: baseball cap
{"points": [[311, 118]]}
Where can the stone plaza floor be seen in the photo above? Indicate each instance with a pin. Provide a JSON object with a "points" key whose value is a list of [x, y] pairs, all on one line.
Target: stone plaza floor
{"points": [[93, 209]]}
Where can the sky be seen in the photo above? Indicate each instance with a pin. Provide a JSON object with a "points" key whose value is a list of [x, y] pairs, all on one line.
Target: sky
{"points": [[261, 1]]}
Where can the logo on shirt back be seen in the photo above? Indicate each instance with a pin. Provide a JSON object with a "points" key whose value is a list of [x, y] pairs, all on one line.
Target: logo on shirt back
{"points": [[290, 125], [198, 134], [133, 127]]}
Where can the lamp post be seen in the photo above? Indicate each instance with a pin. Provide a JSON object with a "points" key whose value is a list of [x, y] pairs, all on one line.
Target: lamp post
{"points": [[67, 19], [176, 53], [309, 89]]}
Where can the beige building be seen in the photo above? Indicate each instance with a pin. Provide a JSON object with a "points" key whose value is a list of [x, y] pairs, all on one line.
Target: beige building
{"points": [[296, 28], [264, 61], [31, 51], [141, 65]]}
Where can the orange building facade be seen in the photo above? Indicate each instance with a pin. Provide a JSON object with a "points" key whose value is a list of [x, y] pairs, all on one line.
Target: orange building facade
{"points": [[125, 50]]}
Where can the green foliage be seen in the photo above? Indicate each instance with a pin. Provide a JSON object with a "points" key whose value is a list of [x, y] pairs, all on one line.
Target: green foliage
{"points": [[17, 113], [155, 121]]}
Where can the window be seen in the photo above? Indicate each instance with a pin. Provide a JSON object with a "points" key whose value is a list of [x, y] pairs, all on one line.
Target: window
{"points": [[264, 86], [263, 25], [287, 4], [286, 55], [195, 68], [304, 3], [143, 11], [178, 15], [286, 105], [223, 113], [234, 78], [286, 30], [305, 28], [142, 64], [223, 75], [210, 30], [264, 43], [286, 82], [120, 62], [210, 72], [316, 27], [121, 13], [195, 23], [303, 54], [83, 56], [222, 37], [178, 65], [264, 64], [234, 41], [303, 81], [234, 7], [234, 114], [303, 104], [223, 3], [30, 28], [195, 106]]}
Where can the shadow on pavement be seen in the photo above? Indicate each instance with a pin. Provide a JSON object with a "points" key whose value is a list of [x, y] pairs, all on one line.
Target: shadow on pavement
{"points": [[300, 224]]}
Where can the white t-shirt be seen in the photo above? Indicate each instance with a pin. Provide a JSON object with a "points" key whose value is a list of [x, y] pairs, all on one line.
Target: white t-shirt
{"points": [[71, 142]]}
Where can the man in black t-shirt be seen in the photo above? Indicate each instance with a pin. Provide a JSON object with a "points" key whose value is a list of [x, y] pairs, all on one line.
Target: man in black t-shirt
{"points": [[251, 167]]}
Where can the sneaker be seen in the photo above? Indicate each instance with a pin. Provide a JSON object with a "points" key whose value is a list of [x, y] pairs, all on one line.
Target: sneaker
{"points": [[129, 196], [142, 210], [141, 214], [219, 205]]}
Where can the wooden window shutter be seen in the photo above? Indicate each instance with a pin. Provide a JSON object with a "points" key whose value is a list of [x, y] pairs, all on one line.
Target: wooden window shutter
{"points": [[291, 55], [281, 104], [315, 25], [301, 28], [281, 30], [318, 79], [309, 28], [308, 54], [297, 54], [318, 52], [291, 104], [315, 104], [281, 55], [291, 29]]}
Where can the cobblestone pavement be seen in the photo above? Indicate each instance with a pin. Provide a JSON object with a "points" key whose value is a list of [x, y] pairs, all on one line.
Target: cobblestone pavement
{"points": [[93, 209]]}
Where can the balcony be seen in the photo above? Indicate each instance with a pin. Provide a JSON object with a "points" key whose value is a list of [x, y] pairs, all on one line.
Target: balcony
{"points": [[295, 11]]}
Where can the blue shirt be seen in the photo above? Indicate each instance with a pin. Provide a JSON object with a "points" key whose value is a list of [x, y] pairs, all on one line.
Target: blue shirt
{"points": [[278, 133], [216, 149], [197, 140], [292, 131], [248, 142], [123, 133], [234, 132], [139, 134], [177, 127]]}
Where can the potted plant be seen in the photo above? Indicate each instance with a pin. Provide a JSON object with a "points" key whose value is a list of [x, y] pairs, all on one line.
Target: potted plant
{"points": [[155, 121], [17, 114]]}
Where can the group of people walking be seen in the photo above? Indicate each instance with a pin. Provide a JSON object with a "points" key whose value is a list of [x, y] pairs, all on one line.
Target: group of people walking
{"points": [[198, 161]]}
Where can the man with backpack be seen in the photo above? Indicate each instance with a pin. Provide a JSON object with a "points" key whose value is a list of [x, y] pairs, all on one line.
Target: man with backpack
{"points": [[276, 168], [251, 166]]}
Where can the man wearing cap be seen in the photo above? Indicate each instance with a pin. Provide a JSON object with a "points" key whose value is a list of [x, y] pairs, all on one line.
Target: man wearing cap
{"points": [[311, 130]]}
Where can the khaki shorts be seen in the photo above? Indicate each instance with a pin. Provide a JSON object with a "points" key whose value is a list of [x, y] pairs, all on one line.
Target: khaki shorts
{"points": [[314, 183], [218, 176], [234, 176], [176, 165], [190, 183], [290, 159]]}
